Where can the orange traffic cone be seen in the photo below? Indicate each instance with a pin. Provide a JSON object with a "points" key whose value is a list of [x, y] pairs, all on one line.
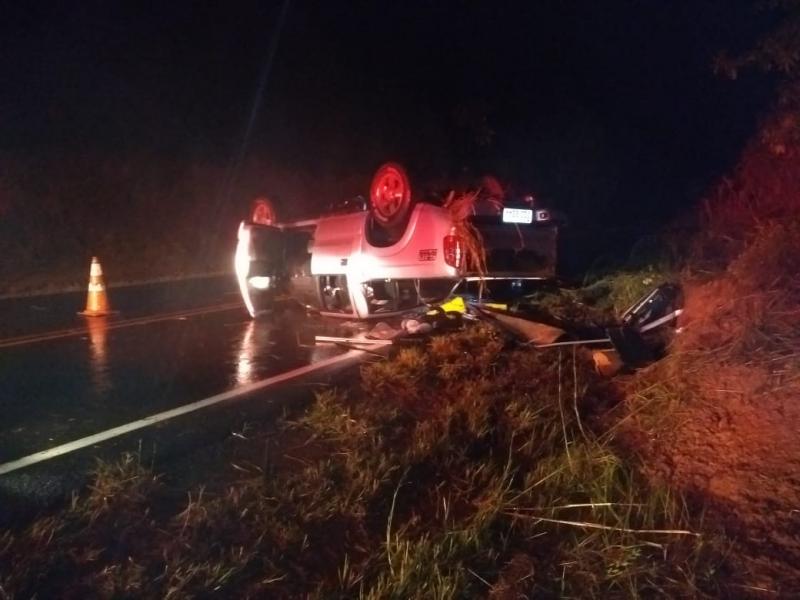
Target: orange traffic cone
{"points": [[96, 300]]}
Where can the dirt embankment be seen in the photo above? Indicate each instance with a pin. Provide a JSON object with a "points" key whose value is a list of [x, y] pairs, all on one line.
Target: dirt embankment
{"points": [[719, 418]]}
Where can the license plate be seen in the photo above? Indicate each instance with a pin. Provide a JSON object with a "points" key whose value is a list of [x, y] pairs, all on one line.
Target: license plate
{"points": [[517, 215]]}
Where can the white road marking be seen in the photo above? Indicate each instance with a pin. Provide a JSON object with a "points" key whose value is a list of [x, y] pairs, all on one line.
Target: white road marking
{"points": [[658, 322], [63, 333], [96, 438]]}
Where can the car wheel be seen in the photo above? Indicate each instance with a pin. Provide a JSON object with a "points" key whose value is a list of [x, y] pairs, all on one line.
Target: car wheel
{"points": [[263, 212], [390, 196]]}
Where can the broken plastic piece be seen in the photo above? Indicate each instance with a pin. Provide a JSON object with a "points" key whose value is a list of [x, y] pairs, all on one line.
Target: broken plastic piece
{"points": [[664, 299], [531, 331], [383, 331], [457, 304], [413, 326], [607, 362]]}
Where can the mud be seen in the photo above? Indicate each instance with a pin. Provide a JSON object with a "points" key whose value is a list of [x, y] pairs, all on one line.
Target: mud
{"points": [[729, 441]]}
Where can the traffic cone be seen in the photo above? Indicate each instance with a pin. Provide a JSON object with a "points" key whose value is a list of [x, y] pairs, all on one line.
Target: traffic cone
{"points": [[96, 299]]}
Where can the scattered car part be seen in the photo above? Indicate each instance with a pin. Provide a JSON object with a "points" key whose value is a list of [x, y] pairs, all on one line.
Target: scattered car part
{"points": [[607, 362], [658, 303], [531, 331], [416, 326], [633, 342], [455, 304], [383, 331], [352, 341]]}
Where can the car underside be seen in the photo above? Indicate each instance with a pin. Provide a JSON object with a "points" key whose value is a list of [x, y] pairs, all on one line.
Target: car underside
{"points": [[366, 263]]}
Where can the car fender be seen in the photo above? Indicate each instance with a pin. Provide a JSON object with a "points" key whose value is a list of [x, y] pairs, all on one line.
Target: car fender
{"points": [[418, 254]]}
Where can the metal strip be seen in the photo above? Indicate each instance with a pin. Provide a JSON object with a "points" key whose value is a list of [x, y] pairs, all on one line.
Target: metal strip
{"points": [[502, 278], [352, 341], [108, 434], [665, 319], [574, 343]]}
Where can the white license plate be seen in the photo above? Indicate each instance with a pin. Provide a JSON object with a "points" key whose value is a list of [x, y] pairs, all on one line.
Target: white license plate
{"points": [[517, 215]]}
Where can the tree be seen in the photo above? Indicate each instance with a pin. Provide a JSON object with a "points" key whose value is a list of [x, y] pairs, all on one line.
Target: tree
{"points": [[778, 51]]}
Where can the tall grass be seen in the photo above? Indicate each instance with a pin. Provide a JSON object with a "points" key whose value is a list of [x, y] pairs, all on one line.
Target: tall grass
{"points": [[715, 417], [469, 469]]}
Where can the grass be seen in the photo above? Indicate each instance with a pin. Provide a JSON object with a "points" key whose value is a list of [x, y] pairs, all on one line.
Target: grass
{"points": [[474, 469], [600, 301], [713, 419], [742, 319], [469, 469]]}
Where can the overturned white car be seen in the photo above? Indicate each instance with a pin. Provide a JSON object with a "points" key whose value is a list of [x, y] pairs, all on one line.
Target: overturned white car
{"points": [[388, 257]]}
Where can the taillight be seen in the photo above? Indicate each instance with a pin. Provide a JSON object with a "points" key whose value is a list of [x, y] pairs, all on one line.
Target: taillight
{"points": [[453, 250]]}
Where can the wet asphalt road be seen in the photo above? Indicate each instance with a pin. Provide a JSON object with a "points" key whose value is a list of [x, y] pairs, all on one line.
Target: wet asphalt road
{"points": [[57, 390], [36, 314]]}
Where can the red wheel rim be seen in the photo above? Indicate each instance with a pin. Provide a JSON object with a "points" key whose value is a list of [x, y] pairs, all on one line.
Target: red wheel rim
{"points": [[390, 193], [263, 212]]}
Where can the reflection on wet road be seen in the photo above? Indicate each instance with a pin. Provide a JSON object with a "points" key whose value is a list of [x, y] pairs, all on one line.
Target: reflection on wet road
{"points": [[37, 314], [56, 391], [98, 346]]}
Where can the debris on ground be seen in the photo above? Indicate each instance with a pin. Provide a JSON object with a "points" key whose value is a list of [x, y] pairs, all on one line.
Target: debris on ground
{"points": [[531, 331], [455, 304], [639, 337], [416, 326], [383, 331]]}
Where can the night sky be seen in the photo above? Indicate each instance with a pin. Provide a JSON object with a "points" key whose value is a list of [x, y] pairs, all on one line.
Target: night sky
{"points": [[606, 109]]}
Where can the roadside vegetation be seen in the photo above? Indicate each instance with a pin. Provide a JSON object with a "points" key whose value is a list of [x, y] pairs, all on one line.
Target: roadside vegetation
{"points": [[476, 468], [471, 469], [717, 418]]}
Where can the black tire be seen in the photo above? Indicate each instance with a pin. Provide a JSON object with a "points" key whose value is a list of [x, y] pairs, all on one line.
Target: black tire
{"points": [[383, 237]]}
